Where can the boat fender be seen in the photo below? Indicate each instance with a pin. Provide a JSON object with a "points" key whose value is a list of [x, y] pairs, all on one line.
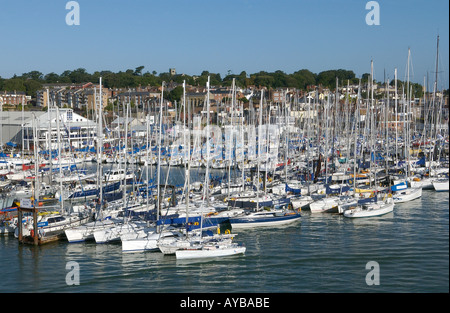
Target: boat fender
{"points": [[227, 231]]}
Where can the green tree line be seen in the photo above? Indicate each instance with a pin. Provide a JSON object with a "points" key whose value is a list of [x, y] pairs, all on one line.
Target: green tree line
{"points": [[301, 79]]}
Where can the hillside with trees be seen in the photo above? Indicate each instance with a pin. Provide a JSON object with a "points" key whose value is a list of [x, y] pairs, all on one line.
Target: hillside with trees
{"points": [[33, 80], [301, 79]]}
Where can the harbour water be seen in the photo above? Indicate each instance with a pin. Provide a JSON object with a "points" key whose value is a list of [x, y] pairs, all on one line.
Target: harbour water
{"points": [[324, 253]]}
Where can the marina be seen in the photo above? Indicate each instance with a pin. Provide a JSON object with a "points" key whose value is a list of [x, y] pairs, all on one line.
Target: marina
{"points": [[349, 182]]}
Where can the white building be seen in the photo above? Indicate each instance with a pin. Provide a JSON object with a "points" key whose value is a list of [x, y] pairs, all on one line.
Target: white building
{"points": [[75, 131]]}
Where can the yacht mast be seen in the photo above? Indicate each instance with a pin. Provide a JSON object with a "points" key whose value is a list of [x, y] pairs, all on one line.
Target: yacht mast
{"points": [[259, 147], [158, 203]]}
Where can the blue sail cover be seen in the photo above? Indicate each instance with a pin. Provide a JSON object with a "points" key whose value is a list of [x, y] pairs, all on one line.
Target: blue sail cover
{"points": [[178, 220], [363, 165], [421, 161], [293, 190], [339, 189], [368, 200], [193, 222], [92, 192], [399, 186]]}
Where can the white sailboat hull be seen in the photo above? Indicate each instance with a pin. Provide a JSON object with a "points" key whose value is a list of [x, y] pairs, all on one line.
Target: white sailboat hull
{"points": [[253, 220], [407, 195], [210, 252], [370, 211], [424, 183], [7, 229], [74, 178], [441, 185], [170, 245], [148, 243], [301, 202], [114, 233], [324, 205], [86, 232]]}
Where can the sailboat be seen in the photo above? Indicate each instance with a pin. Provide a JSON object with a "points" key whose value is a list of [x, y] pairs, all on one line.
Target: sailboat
{"points": [[210, 249], [214, 246], [105, 217], [441, 184], [54, 224], [401, 193], [370, 209], [269, 218], [145, 239], [263, 211]]}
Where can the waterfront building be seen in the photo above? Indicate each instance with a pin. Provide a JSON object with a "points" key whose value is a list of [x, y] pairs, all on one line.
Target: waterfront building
{"points": [[76, 131], [11, 125]]}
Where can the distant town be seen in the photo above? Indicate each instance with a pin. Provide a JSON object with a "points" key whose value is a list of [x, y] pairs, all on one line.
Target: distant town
{"points": [[76, 90]]}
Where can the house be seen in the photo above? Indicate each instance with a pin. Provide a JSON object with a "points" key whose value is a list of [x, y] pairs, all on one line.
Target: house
{"points": [[13, 98], [75, 96], [138, 97]]}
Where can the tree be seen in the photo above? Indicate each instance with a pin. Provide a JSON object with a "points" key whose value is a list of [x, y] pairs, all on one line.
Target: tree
{"points": [[304, 78], [138, 71], [215, 79], [263, 79], [328, 78], [79, 76], [14, 84], [175, 94], [365, 77], [32, 86], [51, 78], [35, 75]]}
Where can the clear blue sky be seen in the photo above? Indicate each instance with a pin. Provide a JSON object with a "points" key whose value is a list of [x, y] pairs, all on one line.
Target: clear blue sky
{"points": [[235, 35]]}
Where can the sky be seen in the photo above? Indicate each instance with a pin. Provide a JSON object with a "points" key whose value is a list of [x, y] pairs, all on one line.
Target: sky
{"points": [[226, 37]]}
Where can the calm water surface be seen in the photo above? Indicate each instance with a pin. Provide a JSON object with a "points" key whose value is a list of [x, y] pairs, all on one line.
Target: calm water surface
{"points": [[323, 253]]}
